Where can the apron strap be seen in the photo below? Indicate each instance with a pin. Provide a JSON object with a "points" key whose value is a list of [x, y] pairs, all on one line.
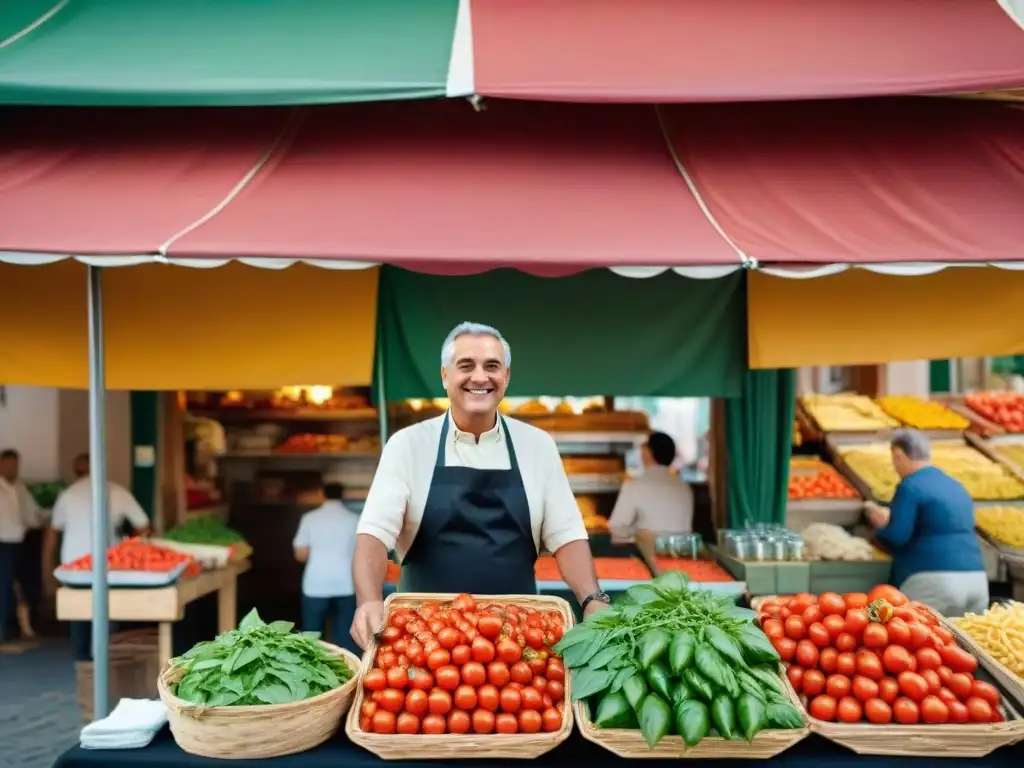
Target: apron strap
{"points": [[513, 462], [441, 444]]}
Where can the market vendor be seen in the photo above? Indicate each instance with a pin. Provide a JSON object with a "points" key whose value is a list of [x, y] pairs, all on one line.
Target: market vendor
{"points": [[468, 499], [657, 501], [936, 558], [72, 517]]}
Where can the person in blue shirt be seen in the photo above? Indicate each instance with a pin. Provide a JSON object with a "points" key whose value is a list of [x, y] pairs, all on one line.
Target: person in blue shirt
{"points": [[929, 527]]}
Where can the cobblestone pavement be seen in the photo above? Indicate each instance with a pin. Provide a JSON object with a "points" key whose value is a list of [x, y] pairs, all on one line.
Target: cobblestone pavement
{"points": [[39, 718]]}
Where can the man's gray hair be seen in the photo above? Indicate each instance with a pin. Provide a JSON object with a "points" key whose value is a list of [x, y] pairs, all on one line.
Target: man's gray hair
{"points": [[472, 329], [913, 443]]}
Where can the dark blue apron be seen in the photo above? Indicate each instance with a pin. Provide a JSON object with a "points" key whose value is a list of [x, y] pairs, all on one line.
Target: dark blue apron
{"points": [[476, 535]]}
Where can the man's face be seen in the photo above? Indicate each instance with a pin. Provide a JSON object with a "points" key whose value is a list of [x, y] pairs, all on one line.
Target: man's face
{"points": [[901, 463], [81, 467], [478, 376], [9, 469]]}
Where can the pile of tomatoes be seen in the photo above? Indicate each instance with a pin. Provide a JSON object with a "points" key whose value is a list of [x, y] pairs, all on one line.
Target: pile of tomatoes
{"points": [[137, 554], [464, 667], [878, 658]]}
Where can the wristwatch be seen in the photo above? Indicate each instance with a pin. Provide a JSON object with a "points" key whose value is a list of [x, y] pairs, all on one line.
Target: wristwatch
{"points": [[601, 597]]}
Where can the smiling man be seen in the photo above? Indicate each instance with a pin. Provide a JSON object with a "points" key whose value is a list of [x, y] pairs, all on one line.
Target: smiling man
{"points": [[468, 499]]}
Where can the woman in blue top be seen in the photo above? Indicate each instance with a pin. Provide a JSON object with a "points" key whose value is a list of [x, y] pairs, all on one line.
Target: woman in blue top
{"points": [[936, 558]]}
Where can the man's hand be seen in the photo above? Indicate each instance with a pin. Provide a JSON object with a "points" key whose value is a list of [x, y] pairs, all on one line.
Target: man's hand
{"points": [[369, 620], [594, 606]]}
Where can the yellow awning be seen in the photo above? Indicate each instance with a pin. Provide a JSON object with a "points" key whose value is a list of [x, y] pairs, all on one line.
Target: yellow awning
{"points": [[858, 317], [171, 327]]}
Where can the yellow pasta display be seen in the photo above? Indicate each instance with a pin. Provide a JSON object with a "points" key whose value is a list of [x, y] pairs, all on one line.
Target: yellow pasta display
{"points": [[1004, 524], [1000, 631]]}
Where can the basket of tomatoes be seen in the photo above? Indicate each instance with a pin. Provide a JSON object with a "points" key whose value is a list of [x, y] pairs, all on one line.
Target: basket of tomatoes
{"points": [[457, 672], [882, 675]]}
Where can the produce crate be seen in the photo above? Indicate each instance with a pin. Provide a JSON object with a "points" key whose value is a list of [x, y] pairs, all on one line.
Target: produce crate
{"points": [[765, 577], [629, 743], [134, 668], [257, 732], [848, 576], [842, 512], [444, 746], [1007, 679], [948, 740]]}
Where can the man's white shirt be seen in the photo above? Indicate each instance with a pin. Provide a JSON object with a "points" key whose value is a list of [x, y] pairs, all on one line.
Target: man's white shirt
{"points": [[72, 514], [656, 501], [398, 495], [330, 534], [12, 528]]}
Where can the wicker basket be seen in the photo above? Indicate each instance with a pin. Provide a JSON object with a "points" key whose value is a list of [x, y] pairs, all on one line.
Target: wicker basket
{"points": [[258, 732], [629, 742], [444, 746], [1010, 682], [949, 740], [134, 667]]}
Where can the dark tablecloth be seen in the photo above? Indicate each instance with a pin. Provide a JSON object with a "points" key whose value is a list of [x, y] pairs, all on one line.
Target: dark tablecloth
{"points": [[813, 752]]}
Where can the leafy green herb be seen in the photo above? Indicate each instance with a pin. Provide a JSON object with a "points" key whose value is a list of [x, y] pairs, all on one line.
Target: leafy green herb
{"points": [[612, 712], [692, 721], [635, 688], [655, 719], [724, 716], [659, 679], [256, 664], [680, 652], [652, 645], [751, 714]]}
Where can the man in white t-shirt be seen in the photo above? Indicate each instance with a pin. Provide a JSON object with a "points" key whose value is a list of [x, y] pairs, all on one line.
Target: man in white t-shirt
{"points": [[28, 584], [326, 542], [72, 520]]}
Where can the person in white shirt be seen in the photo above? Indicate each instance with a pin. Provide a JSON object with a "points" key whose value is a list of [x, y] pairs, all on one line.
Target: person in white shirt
{"points": [[326, 542], [467, 500], [658, 500], [12, 531], [27, 573], [72, 521]]}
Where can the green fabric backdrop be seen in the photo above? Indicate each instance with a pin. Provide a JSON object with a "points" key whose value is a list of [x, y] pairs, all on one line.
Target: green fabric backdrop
{"points": [[759, 437], [594, 333], [221, 53]]}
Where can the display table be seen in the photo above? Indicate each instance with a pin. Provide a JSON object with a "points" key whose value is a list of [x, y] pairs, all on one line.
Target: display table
{"points": [[813, 752], [164, 606]]}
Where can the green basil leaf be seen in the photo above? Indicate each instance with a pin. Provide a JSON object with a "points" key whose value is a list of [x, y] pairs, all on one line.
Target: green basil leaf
{"points": [[725, 645], [274, 694], [605, 656], [578, 655], [574, 636], [586, 682], [653, 644], [658, 678], [692, 721], [655, 719], [612, 711], [723, 716], [635, 688], [784, 716], [672, 583], [642, 594], [680, 652], [751, 714], [621, 677], [252, 620]]}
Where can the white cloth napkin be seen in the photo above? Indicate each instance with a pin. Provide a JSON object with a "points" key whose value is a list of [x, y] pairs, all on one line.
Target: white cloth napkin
{"points": [[132, 724]]}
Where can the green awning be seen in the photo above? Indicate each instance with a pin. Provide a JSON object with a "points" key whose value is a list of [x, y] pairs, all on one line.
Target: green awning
{"points": [[223, 52], [593, 333]]}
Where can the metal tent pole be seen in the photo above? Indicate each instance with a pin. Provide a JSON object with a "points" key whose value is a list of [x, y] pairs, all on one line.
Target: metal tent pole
{"points": [[382, 400], [100, 498]]}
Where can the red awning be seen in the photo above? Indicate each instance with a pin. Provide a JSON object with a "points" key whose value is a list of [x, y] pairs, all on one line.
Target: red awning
{"points": [[111, 183], [437, 187], [741, 50], [922, 180]]}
